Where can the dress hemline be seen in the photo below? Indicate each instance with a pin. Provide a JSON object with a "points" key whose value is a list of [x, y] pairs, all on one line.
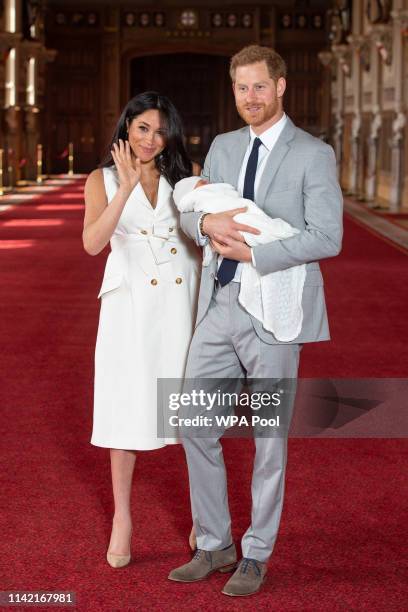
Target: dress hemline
{"points": [[134, 446]]}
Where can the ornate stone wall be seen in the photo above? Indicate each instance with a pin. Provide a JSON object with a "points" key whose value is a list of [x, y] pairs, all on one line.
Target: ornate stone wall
{"points": [[75, 93], [124, 38], [23, 56], [368, 59]]}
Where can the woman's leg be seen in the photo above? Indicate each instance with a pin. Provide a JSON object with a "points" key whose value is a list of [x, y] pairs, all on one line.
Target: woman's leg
{"points": [[122, 466]]}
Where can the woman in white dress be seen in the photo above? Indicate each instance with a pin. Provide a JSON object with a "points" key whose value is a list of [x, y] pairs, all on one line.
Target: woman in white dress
{"points": [[148, 293]]}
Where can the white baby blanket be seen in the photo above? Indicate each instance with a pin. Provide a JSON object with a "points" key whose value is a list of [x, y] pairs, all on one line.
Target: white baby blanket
{"points": [[274, 299]]}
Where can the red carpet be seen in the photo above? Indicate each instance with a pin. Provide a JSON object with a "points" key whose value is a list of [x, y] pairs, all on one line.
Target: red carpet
{"points": [[342, 537]]}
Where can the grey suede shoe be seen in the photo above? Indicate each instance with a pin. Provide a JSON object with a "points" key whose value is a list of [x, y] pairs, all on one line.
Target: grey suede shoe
{"points": [[204, 563], [247, 579]]}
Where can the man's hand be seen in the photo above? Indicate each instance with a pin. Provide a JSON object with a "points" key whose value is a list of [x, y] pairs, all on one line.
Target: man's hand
{"points": [[233, 249], [225, 227]]}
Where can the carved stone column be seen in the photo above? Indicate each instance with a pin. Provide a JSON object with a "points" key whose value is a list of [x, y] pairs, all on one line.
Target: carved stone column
{"points": [[397, 143], [2, 89], [13, 130], [32, 138], [327, 60], [342, 66], [12, 15], [33, 110], [373, 140], [382, 37], [399, 24], [8, 40], [354, 161], [357, 43], [338, 141]]}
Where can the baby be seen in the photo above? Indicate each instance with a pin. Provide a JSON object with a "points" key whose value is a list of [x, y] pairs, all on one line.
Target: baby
{"points": [[274, 299], [196, 194]]}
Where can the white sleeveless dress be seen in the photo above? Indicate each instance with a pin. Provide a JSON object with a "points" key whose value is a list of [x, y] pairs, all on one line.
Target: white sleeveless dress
{"points": [[148, 308]]}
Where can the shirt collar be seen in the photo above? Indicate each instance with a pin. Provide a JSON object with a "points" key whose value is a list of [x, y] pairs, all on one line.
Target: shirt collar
{"points": [[269, 136]]}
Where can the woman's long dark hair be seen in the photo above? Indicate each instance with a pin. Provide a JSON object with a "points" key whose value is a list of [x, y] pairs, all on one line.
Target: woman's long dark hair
{"points": [[173, 162]]}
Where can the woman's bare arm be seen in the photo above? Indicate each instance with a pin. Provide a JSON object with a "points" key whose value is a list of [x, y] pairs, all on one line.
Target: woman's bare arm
{"points": [[100, 219]]}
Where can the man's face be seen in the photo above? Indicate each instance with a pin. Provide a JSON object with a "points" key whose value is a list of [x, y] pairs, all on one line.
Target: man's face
{"points": [[257, 97]]}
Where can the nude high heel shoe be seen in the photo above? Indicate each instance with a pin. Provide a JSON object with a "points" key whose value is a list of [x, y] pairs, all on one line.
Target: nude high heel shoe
{"points": [[117, 561]]}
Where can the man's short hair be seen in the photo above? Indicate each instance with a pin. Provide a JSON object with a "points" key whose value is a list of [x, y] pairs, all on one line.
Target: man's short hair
{"points": [[254, 54]]}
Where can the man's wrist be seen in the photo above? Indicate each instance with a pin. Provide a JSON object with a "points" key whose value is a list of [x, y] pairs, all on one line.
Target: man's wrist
{"points": [[200, 239], [201, 225]]}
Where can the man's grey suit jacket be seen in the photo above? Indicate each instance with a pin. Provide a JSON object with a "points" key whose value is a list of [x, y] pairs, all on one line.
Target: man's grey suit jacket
{"points": [[299, 184]]}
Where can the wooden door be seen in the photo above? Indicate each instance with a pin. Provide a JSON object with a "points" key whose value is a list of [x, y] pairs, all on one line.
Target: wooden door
{"points": [[73, 101], [199, 86]]}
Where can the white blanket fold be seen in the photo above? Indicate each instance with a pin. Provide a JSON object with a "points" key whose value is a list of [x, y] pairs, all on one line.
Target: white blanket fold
{"points": [[274, 299]]}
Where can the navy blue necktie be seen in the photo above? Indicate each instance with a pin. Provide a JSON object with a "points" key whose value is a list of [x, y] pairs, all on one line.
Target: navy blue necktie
{"points": [[228, 267]]}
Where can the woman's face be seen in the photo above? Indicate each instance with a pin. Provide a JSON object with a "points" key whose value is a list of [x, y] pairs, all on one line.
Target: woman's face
{"points": [[147, 135]]}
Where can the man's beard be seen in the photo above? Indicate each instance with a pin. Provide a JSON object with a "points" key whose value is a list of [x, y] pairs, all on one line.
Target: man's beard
{"points": [[267, 112]]}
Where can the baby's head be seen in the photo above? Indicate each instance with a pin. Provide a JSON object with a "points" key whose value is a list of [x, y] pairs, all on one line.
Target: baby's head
{"points": [[200, 183], [187, 185]]}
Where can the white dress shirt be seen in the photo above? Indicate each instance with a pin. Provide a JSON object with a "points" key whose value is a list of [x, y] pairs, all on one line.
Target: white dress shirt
{"points": [[268, 139]]}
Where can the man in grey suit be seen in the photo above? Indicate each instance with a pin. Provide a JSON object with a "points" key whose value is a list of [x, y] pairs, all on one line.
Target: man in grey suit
{"points": [[291, 175]]}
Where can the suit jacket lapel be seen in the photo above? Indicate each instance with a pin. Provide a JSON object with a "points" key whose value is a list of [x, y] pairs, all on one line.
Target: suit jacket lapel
{"points": [[274, 160], [236, 156]]}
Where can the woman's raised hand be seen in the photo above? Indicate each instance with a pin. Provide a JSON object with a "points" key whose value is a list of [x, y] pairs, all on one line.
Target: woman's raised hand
{"points": [[128, 171]]}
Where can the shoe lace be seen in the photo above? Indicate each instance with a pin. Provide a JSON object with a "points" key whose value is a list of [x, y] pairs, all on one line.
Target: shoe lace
{"points": [[198, 554], [249, 563]]}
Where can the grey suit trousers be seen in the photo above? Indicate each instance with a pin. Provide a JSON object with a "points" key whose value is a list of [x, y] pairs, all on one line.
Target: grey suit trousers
{"points": [[225, 345]]}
